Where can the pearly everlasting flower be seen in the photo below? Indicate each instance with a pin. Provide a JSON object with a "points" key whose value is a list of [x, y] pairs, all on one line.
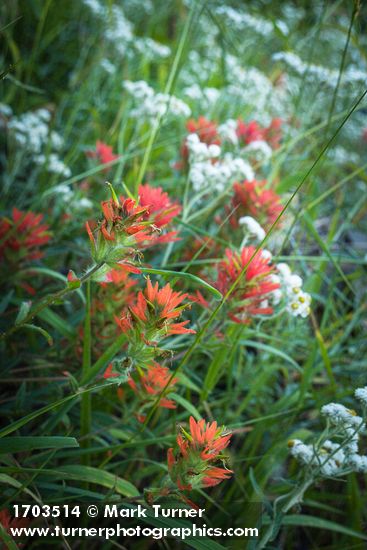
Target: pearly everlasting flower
{"points": [[330, 458], [150, 105], [228, 131], [259, 150], [358, 463], [299, 304], [253, 227], [361, 395], [53, 164], [297, 301], [5, 110], [341, 416]]}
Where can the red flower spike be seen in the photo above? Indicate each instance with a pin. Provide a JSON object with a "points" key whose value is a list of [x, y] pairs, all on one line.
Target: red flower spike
{"points": [[193, 464], [253, 289], [252, 198], [161, 209], [103, 153], [153, 312], [151, 383], [22, 235]]}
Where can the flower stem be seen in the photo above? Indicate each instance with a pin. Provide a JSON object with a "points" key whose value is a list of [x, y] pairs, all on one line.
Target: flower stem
{"points": [[48, 301], [85, 411]]}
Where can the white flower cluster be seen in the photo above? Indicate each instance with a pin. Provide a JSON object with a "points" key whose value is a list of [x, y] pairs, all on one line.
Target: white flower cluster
{"points": [[331, 458], [207, 170], [119, 32], [260, 150], [228, 131], [206, 95], [31, 132], [5, 110], [151, 105], [323, 74], [339, 415], [242, 20], [254, 229], [297, 301]]}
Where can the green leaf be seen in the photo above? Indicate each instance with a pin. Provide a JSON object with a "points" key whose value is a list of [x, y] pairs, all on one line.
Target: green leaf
{"points": [[41, 331], [319, 523], [186, 405], [20, 444], [94, 475], [4, 478], [272, 350], [23, 312], [57, 322]]}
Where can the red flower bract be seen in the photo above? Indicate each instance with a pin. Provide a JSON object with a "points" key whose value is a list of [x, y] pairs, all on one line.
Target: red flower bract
{"points": [[22, 235], [251, 295], [151, 382], [199, 450], [154, 311], [254, 199], [248, 132], [161, 209], [103, 153]]}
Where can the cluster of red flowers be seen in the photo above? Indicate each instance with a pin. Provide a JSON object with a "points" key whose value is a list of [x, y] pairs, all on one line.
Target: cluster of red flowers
{"points": [[247, 132], [151, 382], [192, 465], [253, 131], [255, 287], [154, 312], [22, 235], [103, 153], [128, 225], [253, 198], [147, 320]]}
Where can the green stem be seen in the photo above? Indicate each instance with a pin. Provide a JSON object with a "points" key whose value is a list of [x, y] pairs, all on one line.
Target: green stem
{"points": [[48, 301], [85, 411], [295, 497]]}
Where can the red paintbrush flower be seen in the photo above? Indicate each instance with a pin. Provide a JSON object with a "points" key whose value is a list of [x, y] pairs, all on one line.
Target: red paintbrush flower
{"points": [[161, 209], [255, 287], [273, 133], [253, 131], [205, 129], [252, 198], [22, 235], [153, 313], [248, 132], [192, 466], [148, 384], [103, 153], [121, 230]]}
